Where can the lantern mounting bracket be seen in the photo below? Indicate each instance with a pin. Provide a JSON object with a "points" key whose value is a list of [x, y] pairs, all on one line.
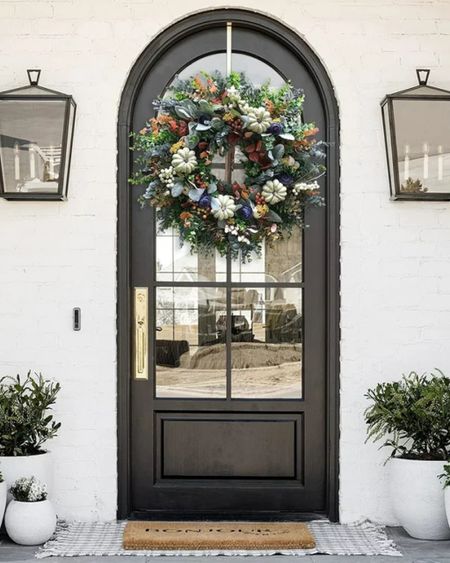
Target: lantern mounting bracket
{"points": [[422, 76], [33, 76]]}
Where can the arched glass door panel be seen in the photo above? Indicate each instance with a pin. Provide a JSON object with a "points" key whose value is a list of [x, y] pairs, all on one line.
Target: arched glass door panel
{"points": [[260, 355]]}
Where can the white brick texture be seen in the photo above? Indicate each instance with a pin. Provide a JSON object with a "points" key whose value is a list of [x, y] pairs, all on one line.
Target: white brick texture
{"points": [[55, 256]]}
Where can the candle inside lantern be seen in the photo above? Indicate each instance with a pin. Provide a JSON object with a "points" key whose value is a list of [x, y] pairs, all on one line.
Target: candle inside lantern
{"points": [[32, 162], [16, 161], [425, 161], [406, 163], [440, 163]]}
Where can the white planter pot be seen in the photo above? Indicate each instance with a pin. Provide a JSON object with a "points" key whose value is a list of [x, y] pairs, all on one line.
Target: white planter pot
{"points": [[418, 502], [30, 523], [447, 503], [3, 491], [39, 466]]}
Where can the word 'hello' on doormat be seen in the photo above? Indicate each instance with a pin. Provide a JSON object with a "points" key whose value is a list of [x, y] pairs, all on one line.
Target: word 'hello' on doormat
{"points": [[217, 535], [106, 538]]}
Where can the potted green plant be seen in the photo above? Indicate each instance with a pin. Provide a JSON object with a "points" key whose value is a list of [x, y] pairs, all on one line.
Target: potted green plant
{"points": [[26, 424], [445, 476], [412, 417], [2, 497], [30, 517]]}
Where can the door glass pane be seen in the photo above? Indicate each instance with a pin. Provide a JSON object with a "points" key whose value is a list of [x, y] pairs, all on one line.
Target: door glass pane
{"points": [[266, 349], [279, 263], [257, 71], [177, 263], [190, 354]]}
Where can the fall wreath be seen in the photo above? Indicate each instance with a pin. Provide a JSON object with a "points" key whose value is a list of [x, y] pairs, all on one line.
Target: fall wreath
{"points": [[209, 118]]}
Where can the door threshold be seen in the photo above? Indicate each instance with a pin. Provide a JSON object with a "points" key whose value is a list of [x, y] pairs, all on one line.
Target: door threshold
{"points": [[170, 516]]}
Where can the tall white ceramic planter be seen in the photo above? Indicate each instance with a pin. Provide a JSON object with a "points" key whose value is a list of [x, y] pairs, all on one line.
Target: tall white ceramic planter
{"points": [[447, 503], [30, 523], [3, 491], [39, 466], [418, 502]]}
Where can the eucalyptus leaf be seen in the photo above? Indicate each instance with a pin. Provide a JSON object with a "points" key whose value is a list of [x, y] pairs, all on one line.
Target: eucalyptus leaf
{"points": [[177, 189], [215, 205], [195, 194], [212, 187], [278, 151], [205, 107], [190, 107], [217, 124], [181, 112], [203, 127], [287, 136], [274, 217], [192, 141]]}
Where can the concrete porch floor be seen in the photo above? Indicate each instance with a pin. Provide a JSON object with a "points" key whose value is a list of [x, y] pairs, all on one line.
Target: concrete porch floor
{"points": [[414, 551]]}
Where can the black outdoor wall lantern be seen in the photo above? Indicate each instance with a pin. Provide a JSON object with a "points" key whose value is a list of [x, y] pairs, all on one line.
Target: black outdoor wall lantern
{"points": [[36, 131], [417, 135]]}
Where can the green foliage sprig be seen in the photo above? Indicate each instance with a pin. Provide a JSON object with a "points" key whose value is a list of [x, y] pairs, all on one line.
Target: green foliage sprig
{"points": [[206, 118], [25, 421], [412, 416], [446, 475]]}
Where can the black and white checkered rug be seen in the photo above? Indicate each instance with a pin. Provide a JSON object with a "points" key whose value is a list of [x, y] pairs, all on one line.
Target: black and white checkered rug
{"points": [[101, 539]]}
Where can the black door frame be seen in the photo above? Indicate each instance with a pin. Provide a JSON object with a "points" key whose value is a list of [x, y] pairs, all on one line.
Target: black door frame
{"points": [[141, 68]]}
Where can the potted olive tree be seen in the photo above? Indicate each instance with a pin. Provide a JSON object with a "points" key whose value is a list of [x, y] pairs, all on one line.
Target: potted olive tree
{"points": [[26, 424], [446, 479], [412, 417]]}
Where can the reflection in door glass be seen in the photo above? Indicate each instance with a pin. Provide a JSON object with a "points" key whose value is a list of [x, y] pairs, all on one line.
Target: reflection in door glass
{"points": [[278, 263], [190, 353], [177, 263], [266, 349]]}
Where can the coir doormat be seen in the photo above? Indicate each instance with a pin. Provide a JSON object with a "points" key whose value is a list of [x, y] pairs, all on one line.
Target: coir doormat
{"points": [[217, 536], [97, 539]]}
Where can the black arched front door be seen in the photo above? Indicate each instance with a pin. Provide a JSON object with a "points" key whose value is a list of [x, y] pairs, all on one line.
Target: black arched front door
{"points": [[231, 413]]}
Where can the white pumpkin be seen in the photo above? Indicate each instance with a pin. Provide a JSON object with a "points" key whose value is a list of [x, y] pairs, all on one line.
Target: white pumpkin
{"points": [[226, 207], [274, 191], [184, 161], [258, 120]]}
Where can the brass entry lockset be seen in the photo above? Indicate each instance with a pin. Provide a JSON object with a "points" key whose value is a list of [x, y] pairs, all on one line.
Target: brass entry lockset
{"points": [[140, 314]]}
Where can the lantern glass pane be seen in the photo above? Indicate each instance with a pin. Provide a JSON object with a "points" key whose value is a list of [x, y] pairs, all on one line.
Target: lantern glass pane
{"points": [[388, 140], [68, 147], [422, 130], [31, 144]]}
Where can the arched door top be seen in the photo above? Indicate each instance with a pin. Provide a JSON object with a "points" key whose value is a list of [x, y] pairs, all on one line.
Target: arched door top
{"points": [[217, 18]]}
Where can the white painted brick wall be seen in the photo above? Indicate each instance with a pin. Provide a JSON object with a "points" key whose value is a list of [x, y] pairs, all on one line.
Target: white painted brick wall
{"points": [[55, 256]]}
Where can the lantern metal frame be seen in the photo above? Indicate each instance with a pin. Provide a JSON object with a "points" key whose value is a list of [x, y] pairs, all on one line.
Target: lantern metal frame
{"points": [[391, 140], [16, 94]]}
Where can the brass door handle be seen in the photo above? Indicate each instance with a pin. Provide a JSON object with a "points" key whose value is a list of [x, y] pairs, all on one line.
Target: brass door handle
{"points": [[140, 314]]}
